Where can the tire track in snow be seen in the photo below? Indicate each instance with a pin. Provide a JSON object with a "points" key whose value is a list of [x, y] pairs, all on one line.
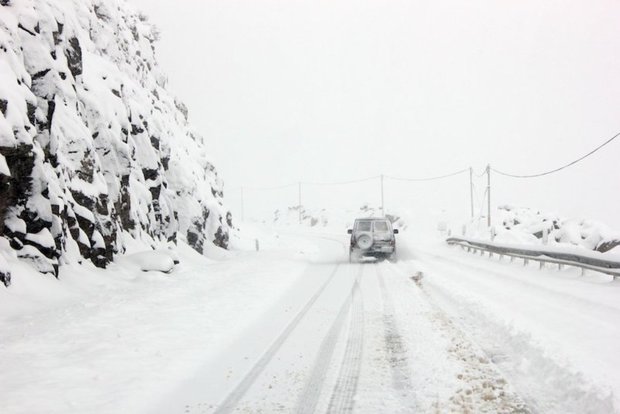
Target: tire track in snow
{"points": [[237, 394], [510, 277], [517, 356], [395, 346], [343, 396], [485, 389], [309, 397]]}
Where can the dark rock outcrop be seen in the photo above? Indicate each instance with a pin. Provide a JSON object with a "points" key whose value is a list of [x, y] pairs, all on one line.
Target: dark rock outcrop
{"points": [[607, 245], [5, 278]]}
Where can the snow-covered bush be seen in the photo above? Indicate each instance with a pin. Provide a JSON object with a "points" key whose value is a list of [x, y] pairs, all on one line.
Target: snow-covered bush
{"points": [[93, 148]]}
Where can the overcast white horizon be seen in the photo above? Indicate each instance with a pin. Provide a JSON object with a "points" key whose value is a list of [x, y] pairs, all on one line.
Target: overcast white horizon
{"points": [[287, 91]]}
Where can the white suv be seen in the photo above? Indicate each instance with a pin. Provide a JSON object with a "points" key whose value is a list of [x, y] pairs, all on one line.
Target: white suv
{"points": [[372, 237]]}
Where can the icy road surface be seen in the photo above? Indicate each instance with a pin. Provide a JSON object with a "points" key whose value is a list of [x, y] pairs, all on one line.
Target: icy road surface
{"points": [[297, 329]]}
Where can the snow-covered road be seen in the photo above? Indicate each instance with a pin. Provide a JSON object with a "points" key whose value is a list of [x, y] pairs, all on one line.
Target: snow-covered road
{"points": [[296, 328], [358, 338]]}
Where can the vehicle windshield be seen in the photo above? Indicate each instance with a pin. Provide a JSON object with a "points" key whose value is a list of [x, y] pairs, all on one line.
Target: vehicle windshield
{"points": [[381, 226], [363, 225]]}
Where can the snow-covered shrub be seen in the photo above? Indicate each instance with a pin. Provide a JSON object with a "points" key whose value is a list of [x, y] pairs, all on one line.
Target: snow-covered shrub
{"points": [[93, 148]]}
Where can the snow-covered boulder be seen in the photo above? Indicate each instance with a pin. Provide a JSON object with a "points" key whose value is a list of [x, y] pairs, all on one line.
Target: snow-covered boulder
{"points": [[151, 261], [93, 148], [520, 225]]}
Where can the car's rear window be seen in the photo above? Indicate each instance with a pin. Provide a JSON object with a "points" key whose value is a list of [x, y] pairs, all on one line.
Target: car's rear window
{"points": [[363, 225], [381, 226]]}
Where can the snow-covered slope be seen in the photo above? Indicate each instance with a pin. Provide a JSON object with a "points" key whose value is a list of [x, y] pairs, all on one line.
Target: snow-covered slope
{"points": [[94, 151]]}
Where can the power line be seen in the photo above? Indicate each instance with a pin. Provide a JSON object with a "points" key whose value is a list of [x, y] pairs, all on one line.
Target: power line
{"points": [[484, 197], [428, 178], [278, 187], [361, 180], [283, 186], [477, 200], [562, 167], [482, 174]]}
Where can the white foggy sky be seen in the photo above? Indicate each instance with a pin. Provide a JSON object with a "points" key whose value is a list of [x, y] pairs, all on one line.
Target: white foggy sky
{"points": [[335, 90]]}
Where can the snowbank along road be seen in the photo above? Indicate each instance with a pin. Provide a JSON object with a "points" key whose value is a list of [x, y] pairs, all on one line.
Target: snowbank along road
{"points": [[297, 329]]}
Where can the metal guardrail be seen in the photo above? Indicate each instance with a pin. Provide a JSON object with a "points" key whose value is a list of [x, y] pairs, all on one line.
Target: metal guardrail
{"points": [[542, 256]]}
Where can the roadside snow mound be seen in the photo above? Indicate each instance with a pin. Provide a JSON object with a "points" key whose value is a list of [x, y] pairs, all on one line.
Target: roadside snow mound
{"points": [[157, 260], [92, 146], [517, 225]]}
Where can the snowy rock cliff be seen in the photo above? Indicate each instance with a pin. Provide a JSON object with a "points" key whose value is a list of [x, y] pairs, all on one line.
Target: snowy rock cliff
{"points": [[94, 151]]}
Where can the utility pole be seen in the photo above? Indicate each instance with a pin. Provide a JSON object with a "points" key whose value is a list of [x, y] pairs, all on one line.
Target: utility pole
{"points": [[299, 201], [382, 199], [489, 195], [471, 190], [242, 212]]}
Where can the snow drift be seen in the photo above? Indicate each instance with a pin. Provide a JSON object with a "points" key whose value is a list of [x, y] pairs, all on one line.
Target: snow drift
{"points": [[94, 151]]}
